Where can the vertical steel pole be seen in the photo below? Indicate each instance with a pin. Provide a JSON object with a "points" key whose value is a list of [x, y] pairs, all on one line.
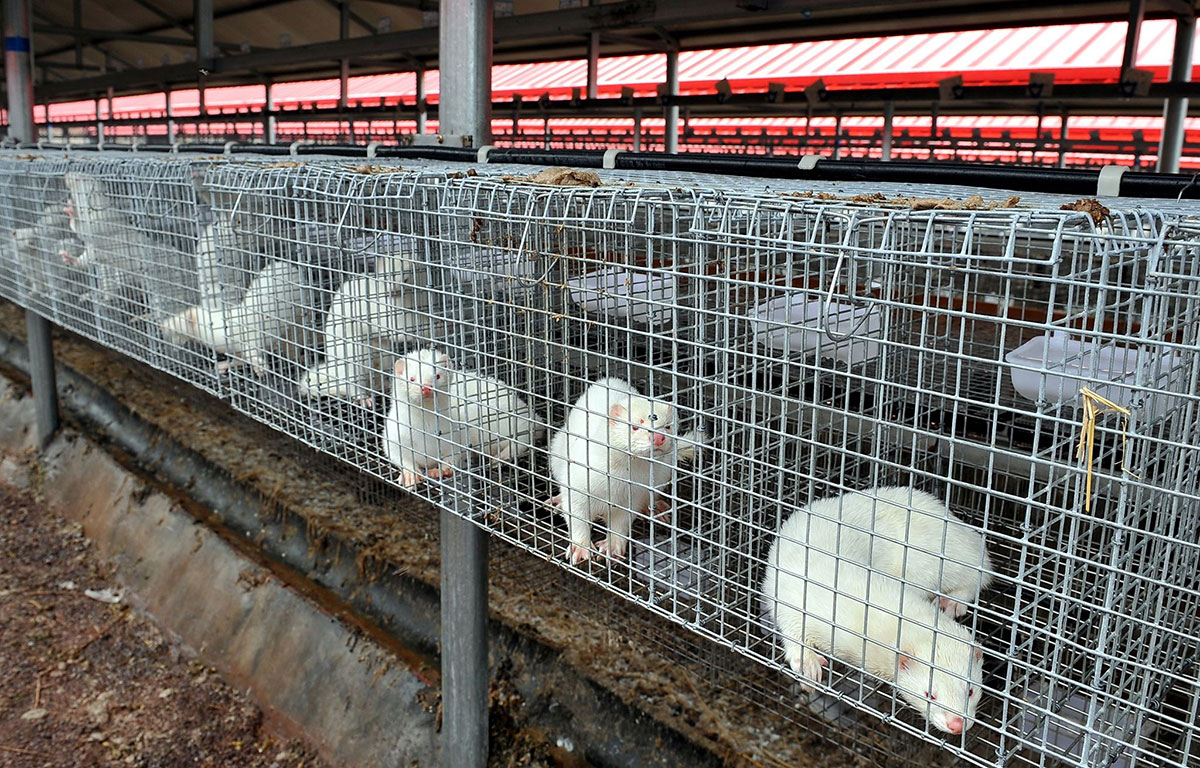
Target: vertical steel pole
{"points": [[171, 127], [1170, 147], [889, 116], [593, 64], [269, 115], [18, 67], [637, 129], [1062, 141], [422, 113], [465, 109], [671, 129], [465, 68]]}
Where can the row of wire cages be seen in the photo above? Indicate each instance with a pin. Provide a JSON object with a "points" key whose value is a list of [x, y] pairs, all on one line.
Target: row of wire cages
{"points": [[932, 469]]}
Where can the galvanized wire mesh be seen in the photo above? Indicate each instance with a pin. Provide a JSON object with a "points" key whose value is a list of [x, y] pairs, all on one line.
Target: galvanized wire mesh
{"points": [[776, 345]]}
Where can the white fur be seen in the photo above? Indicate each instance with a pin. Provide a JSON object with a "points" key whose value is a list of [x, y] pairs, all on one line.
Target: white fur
{"points": [[605, 462], [365, 310], [249, 330], [916, 538], [498, 421], [166, 278], [821, 596], [419, 435]]}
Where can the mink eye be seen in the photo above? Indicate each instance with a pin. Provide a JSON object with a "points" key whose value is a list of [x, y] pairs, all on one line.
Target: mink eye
{"points": [[635, 429], [439, 377], [970, 692], [930, 696], [412, 378]]}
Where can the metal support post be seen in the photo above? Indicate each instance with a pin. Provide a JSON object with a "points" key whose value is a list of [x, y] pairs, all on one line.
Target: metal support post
{"points": [[1175, 110], [837, 136], [465, 109], [344, 63], [637, 129], [18, 68], [1137, 11], [269, 115], [671, 128], [422, 112], [465, 96], [889, 115], [41, 374], [593, 64], [203, 12], [1062, 141], [171, 127]]}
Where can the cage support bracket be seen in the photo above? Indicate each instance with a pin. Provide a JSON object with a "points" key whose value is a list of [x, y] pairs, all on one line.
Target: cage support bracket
{"points": [[1108, 183], [610, 158]]}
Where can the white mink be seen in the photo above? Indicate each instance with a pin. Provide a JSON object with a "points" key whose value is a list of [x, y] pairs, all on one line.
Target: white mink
{"points": [[820, 600], [916, 538], [419, 435], [166, 277], [249, 330], [365, 310], [498, 421], [614, 450]]}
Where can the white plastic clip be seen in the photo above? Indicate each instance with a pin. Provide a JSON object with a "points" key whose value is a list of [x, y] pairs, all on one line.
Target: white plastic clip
{"points": [[484, 151], [295, 146], [229, 145], [610, 159], [374, 145], [1109, 182], [808, 162]]}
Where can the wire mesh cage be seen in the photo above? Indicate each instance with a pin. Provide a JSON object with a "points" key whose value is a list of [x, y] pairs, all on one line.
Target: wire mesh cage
{"points": [[918, 474]]}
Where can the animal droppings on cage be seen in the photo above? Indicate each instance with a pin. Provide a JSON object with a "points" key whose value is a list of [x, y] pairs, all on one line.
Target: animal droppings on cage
{"points": [[1089, 205], [559, 177]]}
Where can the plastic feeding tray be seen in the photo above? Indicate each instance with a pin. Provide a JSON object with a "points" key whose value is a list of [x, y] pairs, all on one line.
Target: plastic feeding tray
{"points": [[628, 296], [1064, 366], [835, 331], [492, 265]]}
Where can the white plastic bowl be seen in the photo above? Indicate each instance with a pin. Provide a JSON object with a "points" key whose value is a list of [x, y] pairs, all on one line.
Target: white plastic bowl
{"points": [[800, 324], [625, 296], [1110, 371]]}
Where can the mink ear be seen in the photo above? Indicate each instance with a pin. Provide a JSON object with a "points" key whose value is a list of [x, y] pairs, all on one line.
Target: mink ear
{"points": [[443, 359], [978, 654], [400, 367], [616, 412]]}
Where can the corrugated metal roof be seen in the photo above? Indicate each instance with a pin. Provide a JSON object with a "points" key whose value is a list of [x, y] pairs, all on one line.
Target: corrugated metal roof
{"points": [[1075, 53]]}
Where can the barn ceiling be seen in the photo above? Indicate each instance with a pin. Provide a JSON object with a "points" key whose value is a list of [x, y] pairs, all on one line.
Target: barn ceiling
{"points": [[83, 47]]}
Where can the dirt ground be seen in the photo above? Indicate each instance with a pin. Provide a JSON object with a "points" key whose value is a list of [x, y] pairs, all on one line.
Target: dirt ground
{"points": [[91, 683]]}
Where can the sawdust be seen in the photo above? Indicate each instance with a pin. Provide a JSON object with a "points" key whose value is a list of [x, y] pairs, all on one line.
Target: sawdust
{"points": [[559, 177]]}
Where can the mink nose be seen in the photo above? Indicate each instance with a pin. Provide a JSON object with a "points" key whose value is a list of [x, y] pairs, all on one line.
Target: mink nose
{"points": [[426, 391], [955, 725], [659, 439]]}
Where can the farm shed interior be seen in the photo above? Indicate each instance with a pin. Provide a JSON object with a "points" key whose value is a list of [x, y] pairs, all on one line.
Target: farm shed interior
{"points": [[1028, 359]]}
